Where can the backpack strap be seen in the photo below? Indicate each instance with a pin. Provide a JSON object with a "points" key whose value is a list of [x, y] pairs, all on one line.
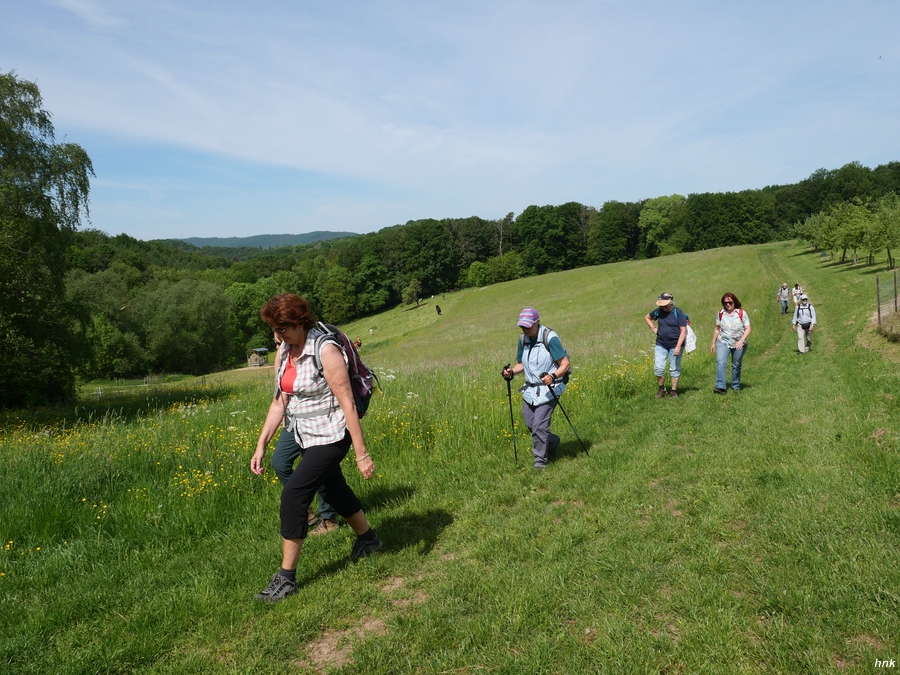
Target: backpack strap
{"points": [[740, 313], [541, 338], [545, 340], [325, 336]]}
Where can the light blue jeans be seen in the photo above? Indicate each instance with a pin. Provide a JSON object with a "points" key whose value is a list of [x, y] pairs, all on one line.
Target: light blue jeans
{"points": [[659, 362], [737, 357]]}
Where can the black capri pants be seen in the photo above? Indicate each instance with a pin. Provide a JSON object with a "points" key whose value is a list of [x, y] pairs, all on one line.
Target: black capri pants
{"points": [[319, 465]]}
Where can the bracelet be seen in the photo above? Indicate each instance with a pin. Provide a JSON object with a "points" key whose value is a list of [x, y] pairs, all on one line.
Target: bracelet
{"points": [[365, 456]]}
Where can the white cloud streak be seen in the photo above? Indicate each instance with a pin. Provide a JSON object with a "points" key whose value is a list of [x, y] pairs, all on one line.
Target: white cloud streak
{"points": [[453, 109]]}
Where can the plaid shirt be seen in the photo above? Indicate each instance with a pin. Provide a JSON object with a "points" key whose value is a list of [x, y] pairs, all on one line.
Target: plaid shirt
{"points": [[312, 412]]}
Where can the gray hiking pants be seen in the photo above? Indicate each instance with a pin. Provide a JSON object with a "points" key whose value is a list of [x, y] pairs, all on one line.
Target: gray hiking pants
{"points": [[537, 419]]}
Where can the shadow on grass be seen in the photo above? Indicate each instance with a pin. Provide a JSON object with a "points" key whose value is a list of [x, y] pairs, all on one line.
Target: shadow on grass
{"points": [[571, 448], [806, 252], [869, 270], [387, 496], [419, 531], [862, 268], [124, 406]]}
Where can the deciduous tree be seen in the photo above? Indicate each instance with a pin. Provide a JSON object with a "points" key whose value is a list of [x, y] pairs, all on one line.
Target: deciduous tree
{"points": [[44, 189]]}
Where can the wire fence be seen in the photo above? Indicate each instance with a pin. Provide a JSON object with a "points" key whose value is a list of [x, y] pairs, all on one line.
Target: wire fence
{"points": [[886, 293]]}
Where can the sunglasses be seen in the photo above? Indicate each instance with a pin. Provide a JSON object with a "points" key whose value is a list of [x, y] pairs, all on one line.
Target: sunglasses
{"points": [[728, 302], [281, 330]]}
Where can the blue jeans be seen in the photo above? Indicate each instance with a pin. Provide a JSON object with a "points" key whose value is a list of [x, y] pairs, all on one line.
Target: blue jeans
{"points": [[660, 355], [283, 457], [784, 306], [737, 356]]}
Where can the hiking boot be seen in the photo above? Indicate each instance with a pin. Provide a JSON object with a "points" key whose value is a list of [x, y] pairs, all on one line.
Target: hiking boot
{"points": [[673, 394], [363, 548], [312, 519], [661, 393], [325, 526], [718, 391], [279, 588]]}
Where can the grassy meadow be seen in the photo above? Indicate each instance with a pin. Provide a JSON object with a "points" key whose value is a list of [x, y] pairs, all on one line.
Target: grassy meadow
{"points": [[754, 532]]}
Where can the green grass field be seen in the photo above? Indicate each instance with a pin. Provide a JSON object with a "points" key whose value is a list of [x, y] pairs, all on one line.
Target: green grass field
{"points": [[749, 533]]}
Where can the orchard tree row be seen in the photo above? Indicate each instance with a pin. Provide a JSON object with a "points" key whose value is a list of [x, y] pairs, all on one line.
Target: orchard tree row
{"points": [[870, 225]]}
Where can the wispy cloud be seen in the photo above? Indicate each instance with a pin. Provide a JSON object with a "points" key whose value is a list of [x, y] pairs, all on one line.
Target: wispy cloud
{"points": [[465, 108], [91, 12]]}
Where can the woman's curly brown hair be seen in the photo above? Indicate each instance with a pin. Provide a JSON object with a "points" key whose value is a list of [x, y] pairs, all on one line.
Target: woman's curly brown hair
{"points": [[287, 310]]}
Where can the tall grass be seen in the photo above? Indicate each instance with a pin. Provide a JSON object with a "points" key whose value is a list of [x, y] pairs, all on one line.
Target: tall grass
{"points": [[754, 532]]}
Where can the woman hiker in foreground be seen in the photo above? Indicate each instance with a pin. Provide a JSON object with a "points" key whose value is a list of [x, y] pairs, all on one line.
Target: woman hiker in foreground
{"points": [[322, 415], [730, 337]]}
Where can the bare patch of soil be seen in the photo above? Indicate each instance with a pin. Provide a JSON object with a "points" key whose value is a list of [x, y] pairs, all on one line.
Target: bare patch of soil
{"points": [[335, 648]]}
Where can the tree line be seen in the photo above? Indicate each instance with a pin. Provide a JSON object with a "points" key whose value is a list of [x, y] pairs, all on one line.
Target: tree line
{"points": [[80, 302]]}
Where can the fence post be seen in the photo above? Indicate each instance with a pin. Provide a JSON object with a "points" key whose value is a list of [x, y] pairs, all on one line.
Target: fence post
{"points": [[878, 297], [895, 292]]}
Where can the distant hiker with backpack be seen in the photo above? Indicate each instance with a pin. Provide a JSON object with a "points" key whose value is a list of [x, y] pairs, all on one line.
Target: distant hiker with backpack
{"points": [[803, 322], [671, 332], [541, 356], [316, 401], [783, 295], [730, 337], [796, 292]]}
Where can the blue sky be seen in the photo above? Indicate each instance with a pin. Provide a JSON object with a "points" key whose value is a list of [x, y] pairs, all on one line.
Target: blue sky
{"points": [[233, 118]]}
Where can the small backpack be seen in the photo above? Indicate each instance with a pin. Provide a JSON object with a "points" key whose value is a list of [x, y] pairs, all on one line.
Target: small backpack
{"points": [[543, 337], [361, 377]]}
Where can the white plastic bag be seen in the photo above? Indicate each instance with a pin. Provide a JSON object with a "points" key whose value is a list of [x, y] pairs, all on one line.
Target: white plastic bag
{"points": [[690, 341]]}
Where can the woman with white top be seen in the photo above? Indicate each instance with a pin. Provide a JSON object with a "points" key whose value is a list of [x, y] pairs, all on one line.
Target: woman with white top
{"points": [[730, 337]]}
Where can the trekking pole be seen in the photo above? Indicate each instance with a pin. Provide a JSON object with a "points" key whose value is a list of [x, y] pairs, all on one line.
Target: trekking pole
{"points": [[512, 423], [556, 398]]}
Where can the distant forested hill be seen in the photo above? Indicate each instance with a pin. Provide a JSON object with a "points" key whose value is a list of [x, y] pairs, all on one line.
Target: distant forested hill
{"points": [[264, 240], [171, 306]]}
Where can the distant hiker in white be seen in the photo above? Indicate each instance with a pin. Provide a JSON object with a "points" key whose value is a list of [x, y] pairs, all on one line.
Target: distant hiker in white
{"points": [[803, 322], [796, 292]]}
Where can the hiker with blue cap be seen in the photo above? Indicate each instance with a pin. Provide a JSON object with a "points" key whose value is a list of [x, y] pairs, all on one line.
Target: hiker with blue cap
{"points": [[546, 365]]}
